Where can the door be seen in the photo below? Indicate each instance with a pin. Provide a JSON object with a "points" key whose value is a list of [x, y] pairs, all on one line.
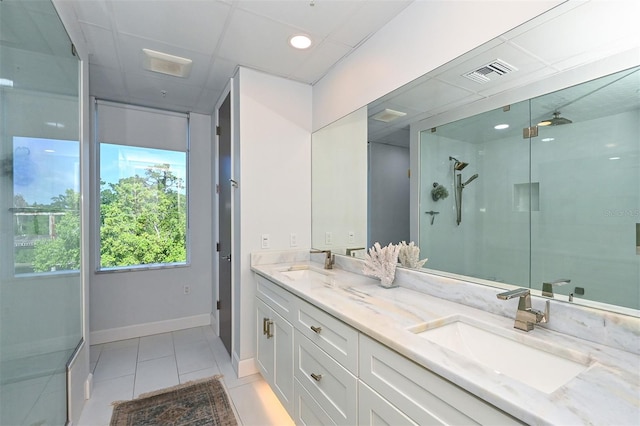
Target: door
{"points": [[224, 222]]}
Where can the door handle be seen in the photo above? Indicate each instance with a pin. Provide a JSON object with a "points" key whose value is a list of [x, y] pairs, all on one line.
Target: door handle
{"points": [[269, 331]]}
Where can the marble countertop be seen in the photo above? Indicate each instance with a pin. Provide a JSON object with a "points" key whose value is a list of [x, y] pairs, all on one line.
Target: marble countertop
{"points": [[606, 392]]}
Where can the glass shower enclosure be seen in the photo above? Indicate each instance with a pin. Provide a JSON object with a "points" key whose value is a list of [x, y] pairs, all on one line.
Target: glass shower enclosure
{"points": [[40, 280], [560, 205]]}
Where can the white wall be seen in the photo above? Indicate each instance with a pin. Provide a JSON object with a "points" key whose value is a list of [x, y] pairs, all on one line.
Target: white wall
{"points": [[129, 304], [427, 34], [273, 141]]}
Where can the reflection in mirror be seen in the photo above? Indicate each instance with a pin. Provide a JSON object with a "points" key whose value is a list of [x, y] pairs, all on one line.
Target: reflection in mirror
{"points": [[525, 212], [339, 185], [563, 204]]}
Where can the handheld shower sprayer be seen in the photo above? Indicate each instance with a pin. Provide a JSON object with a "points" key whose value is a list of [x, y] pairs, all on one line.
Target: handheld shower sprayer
{"points": [[471, 179]]}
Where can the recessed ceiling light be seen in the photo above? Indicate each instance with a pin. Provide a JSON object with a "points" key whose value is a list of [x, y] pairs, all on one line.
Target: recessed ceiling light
{"points": [[164, 63], [548, 139], [614, 158], [6, 82], [49, 150], [55, 124], [300, 41], [501, 126]]}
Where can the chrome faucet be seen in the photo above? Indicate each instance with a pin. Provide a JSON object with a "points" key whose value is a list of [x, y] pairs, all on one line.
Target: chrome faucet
{"points": [[328, 261], [526, 317], [547, 288], [351, 250]]}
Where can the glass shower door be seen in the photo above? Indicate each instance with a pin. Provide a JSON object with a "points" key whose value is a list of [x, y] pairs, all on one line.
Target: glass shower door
{"points": [[40, 280]]}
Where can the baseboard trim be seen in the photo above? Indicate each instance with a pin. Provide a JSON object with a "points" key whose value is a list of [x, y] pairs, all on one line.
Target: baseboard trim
{"points": [[244, 367], [148, 329]]}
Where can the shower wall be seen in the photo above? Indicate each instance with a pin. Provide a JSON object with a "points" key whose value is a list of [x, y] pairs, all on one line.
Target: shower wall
{"points": [[574, 217]]}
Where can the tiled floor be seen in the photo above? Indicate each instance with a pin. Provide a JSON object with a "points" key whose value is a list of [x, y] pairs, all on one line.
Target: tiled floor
{"points": [[125, 369]]}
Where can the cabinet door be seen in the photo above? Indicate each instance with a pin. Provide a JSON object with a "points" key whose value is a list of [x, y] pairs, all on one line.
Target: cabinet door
{"points": [[283, 361], [265, 346], [373, 410]]}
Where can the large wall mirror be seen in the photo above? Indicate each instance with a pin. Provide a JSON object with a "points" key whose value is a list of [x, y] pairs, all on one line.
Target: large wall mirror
{"points": [[495, 204]]}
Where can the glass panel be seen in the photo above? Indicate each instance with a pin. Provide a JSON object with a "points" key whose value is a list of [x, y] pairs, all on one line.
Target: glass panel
{"points": [[143, 207], [587, 165], [40, 283], [474, 196]]}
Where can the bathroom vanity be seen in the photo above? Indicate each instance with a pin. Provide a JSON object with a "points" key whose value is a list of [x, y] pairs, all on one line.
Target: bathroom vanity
{"points": [[337, 348]]}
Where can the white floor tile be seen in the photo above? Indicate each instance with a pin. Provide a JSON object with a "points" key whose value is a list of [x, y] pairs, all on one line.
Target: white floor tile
{"points": [[116, 363], [127, 368], [156, 346], [97, 410], [199, 374], [188, 336], [257, 405], [194, 356], [154, 374]]}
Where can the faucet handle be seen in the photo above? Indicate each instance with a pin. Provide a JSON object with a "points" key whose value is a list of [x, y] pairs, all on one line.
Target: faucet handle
{"points": [[518, 292]]}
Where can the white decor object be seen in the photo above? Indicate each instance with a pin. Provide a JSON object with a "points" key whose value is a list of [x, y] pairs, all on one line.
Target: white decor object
{"points": [[381, 262], [410, 255]]}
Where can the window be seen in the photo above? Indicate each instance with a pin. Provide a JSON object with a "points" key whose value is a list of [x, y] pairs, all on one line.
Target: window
{"points": [[46, 216], [143, 187]]}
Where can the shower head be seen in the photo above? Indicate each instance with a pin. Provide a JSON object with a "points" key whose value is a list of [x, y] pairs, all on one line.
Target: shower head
{"points": [[555, 121], [458, 165]]}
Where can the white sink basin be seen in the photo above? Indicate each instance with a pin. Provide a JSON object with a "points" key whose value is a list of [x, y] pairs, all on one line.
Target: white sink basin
{"points": [[544, 367], [305, 272]]}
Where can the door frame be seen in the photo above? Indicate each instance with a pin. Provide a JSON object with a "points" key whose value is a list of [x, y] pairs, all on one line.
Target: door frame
{"points": [[216, 220]]}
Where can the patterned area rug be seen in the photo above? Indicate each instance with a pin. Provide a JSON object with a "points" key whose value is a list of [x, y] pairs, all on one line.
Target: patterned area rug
{"points": [[199, 403]]}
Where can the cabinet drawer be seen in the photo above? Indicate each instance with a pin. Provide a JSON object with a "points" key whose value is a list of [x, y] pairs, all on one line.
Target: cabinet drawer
{"points": [[331, 385], [375, 410], [279, 299], [422, 395], [307, 411], [332, 335]]}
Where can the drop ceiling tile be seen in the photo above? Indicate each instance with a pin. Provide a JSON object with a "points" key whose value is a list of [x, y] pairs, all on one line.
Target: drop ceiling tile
{"points": [[106, 83], [321, 59], [147, 88], [207, 101], [94, 12], [103, 48], [555, 41], [196, 25], [220, 74], [320, 19], [366, 20], [430, 95], [270, 52], [131, 58]]}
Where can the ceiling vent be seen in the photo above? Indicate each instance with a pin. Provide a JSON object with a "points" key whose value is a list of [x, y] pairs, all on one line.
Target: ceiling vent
{"points": [[166, 64], [494, 68], [388, 115]]}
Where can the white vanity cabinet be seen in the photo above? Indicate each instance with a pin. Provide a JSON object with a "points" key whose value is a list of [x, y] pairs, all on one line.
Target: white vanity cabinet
{"points": [[419, 394], [274, 350], [326, 372]]}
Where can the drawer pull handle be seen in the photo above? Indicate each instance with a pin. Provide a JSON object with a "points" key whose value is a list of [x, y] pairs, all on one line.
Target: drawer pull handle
{"points": [[269, 331], [264, 325], [316, 377], [316, 329]]}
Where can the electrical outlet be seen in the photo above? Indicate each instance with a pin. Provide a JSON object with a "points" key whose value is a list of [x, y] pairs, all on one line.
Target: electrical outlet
{"points": [[352, 237], [328, 238], [187, 289], [293, 239], [265, 241]]}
